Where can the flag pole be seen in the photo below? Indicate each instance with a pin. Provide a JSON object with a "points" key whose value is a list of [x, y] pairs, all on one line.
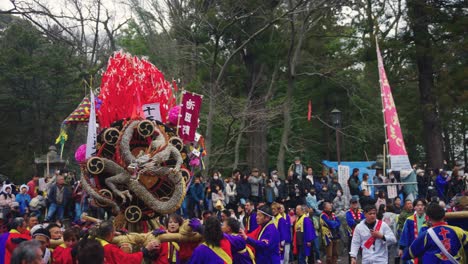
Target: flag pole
{"points": [[383, 105], [180, 112]]}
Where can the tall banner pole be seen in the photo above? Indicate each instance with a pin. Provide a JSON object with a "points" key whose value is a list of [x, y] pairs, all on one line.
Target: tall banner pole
{"points": [[393, 136]]}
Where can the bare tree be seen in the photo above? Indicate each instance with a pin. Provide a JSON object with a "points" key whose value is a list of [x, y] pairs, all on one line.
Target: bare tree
{"points": [[76, 23]]}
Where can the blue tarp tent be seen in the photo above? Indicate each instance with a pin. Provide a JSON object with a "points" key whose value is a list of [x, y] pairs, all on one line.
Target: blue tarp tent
{"points": [[361, 165]]}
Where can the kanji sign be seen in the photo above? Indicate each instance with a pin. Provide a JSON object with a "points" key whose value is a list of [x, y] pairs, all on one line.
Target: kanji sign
{"points": [[188, 118], [152, 112]]}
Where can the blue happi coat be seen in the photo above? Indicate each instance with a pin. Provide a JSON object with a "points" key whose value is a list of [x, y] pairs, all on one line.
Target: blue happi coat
{"points": [[453, 238], [267, 244]]}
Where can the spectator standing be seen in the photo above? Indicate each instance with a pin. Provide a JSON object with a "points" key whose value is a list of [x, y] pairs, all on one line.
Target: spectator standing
{"points": [[410, 190], [78, 199], [456, 184], [243, 189], [325, 195], [216, 180], [37, 205], [279, 188], [380, 199], [335, 186], [366, 199], [255, 188], [309, 181], [365, 183], [33, 186], [23, 199], [6, 199], [269, 192], [298, 169], [422, 183], [339, 202], [311, 200], [294, 189], [353, 183], [217, 198], [442, 182], [397, 205], [58, 198], [231, 194]]}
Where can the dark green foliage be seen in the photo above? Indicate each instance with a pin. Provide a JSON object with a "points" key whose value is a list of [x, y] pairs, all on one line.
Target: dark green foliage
{"points": [[39, 85]]}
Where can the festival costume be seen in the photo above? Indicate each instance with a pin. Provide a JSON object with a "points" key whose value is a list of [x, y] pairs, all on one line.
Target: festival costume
{"points": [[284, 231], [374, 250], [287, 238], [353, 219], [265, 240], [250, 222], [168, 254], [14, 238], [62, 255], [454, 239], [306, 227], [328, 224], [330, 235], [410, 232], [241, 254], [113, 254], [212, 254]]}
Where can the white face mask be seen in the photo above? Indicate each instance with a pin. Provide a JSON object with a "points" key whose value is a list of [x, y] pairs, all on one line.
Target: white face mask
{"points": [[231, 183], [215, 177], [338, 194], [272, 184]]}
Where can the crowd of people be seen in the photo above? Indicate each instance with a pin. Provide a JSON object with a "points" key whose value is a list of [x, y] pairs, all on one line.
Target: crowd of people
{"points": [[253, 217]]}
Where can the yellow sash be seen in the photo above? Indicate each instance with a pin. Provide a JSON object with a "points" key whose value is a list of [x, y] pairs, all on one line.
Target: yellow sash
{"points": [[174, 253], [261, 233], [102, 241], [14, 231], [251, 254], [277, 218], [300, 224], [220, 253]]}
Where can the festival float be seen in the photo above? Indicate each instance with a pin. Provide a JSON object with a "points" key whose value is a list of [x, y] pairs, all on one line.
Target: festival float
{"points": [[138, 163]]}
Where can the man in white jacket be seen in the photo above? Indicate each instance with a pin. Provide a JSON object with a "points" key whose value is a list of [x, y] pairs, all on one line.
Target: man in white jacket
{"points": [[374, 237]]}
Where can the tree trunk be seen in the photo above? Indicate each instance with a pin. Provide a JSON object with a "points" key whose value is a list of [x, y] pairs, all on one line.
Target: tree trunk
{"points": [[286, 128], [424, 58]]}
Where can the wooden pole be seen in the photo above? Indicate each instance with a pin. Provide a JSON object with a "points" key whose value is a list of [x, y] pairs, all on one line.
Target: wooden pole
{"points": [[47, 166], [384, 160]]}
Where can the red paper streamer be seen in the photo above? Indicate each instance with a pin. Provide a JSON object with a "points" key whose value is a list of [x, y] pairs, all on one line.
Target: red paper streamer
{"points": [[129, 83], [309, 113]]}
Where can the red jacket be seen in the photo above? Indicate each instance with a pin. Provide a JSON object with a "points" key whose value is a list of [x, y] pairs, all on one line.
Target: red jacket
{"points": [[114, 255], [62, 255], [10, 245]]}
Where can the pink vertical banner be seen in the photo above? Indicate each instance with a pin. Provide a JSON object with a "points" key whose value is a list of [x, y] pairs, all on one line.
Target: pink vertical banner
{"points": [[188, 119], [396, 146]]}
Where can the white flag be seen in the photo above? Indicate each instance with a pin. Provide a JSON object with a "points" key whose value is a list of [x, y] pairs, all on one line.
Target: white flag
{"points": [[91, 140]]}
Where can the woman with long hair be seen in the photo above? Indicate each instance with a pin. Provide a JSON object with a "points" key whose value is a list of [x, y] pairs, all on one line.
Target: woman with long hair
{"points": [[216, 249]]}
